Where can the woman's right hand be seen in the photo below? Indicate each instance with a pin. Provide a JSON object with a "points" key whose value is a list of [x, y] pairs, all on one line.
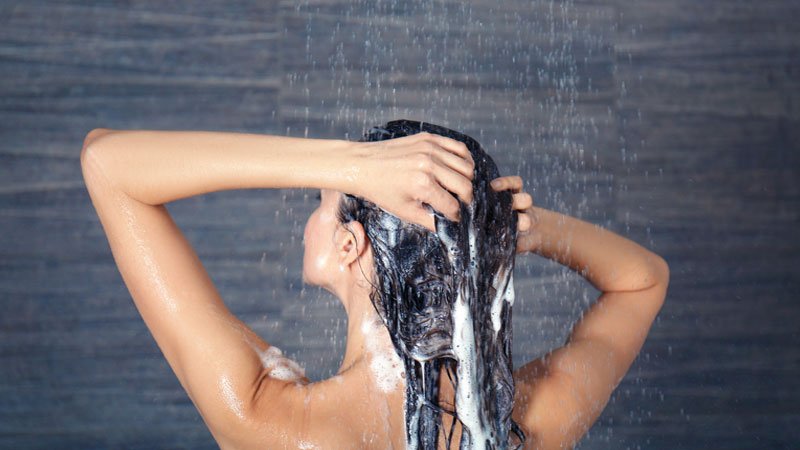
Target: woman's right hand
{"points": [[401, 175], [528, 236]]}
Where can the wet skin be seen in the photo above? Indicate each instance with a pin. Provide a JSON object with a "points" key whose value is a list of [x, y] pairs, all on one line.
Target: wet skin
{"points": [[220, 361]]}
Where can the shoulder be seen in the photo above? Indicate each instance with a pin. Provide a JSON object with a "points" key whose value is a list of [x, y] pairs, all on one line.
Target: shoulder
{"points": [[294, 415], [268, 421]]}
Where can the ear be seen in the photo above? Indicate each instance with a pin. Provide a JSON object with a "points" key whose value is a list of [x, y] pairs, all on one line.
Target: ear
{"points": [[351, 242]]}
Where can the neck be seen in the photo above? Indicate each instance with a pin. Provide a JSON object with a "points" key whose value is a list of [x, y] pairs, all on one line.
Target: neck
{"points": [[369, 347], [360, 316], [358, 306]]}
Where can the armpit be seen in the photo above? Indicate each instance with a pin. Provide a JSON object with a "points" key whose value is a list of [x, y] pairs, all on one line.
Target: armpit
{"points": [[279, 366]]}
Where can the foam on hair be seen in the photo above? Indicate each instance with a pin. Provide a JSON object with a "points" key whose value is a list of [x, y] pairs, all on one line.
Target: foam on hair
{"points": [[446, 299]]}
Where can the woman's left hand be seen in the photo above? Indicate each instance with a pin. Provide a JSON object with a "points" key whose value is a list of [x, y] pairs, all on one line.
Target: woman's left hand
{"points": [[401, 175]]}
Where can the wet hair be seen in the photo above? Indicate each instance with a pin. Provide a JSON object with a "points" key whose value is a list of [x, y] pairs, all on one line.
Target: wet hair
{"points": [[446, 299]]}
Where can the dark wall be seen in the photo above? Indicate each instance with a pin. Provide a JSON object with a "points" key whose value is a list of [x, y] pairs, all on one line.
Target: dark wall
{"points": [[674, 123]]}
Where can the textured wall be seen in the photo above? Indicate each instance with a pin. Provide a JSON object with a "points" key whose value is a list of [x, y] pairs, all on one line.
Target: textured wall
{"points": [[672, 122]]}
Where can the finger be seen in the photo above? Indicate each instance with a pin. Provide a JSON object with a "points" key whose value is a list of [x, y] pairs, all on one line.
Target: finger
{"points": [[456, 163], [453, 146], [522, 201], [513, 182], [444, 202], [421, 216], [454, 182]]}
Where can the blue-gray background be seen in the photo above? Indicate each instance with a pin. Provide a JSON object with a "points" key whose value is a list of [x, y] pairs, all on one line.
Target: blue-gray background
{"points": [[675, 123]]}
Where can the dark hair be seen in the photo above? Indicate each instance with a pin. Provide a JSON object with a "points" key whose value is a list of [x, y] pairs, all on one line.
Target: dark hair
{"points": [[446, 298]]}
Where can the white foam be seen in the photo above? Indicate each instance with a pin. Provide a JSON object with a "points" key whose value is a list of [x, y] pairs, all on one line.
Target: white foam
{"points": [[467, 396], [391, 224], [413, 442], [279, 366], [502, 293]]}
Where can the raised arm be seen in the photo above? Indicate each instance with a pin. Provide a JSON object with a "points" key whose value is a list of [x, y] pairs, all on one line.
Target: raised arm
{"points": [[157, 167], [130, 175], [560, 395]]}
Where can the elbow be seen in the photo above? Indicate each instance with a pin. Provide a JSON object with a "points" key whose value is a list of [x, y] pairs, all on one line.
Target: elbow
{"points": [[661, 276], [88, 158], [90, 140], [662, 270]]}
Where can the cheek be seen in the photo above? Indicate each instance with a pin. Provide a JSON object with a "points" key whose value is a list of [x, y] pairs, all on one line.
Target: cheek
{"points": [[308, 249], [316, 256], [318, 252]]}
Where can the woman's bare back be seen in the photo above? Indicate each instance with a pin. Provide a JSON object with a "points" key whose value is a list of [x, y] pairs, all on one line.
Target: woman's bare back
{"points": [[350, 411], [558, 396]]}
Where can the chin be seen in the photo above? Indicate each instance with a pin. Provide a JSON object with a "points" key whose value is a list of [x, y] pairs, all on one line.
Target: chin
{"points": [[309, 278]]}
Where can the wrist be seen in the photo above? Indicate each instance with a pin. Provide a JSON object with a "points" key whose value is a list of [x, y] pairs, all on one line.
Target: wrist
{"points": [[350, 157], [550, 228], [324, 164]]}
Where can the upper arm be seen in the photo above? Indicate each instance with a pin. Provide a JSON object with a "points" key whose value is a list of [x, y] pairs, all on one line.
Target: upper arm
{"points": [[560, 395], [215, 356]]}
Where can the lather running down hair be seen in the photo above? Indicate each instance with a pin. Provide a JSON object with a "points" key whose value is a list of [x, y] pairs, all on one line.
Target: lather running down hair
{"points": [[446, 299], [416, 233]]}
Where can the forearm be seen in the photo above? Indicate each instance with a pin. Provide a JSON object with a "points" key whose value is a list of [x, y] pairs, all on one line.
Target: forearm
{"points": [[157, 167], [610, 262]]}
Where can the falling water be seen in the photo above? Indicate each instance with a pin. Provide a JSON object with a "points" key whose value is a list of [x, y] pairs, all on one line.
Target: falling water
{"points": [[533, 82]]}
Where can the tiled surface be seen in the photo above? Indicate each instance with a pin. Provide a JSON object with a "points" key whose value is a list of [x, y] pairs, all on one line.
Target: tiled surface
{"points": [[674, 123]]}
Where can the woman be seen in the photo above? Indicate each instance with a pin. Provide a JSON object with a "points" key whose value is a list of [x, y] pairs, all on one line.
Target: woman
{"points": [[247, 392]]}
